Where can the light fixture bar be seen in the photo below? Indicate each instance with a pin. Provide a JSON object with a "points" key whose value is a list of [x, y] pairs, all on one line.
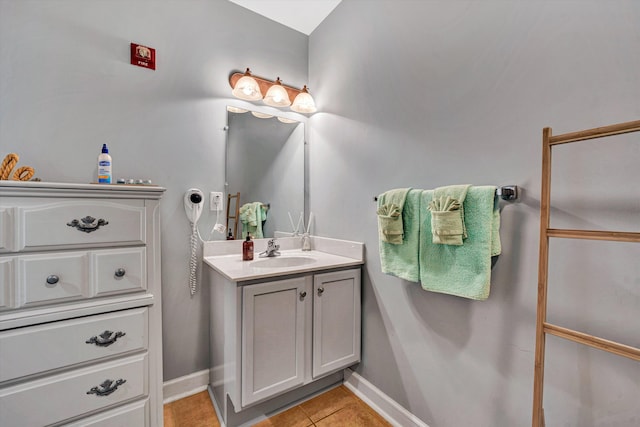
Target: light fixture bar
{"points": [[265, 84]]}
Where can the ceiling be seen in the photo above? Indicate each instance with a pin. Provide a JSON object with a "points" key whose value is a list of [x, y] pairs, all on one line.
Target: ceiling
{"points": [[301, 15]]}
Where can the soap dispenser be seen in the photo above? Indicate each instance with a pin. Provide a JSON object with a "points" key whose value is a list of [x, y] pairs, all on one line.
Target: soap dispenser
{"points": [[247, 249]]}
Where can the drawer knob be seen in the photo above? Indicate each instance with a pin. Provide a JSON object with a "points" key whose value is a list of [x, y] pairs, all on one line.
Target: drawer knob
{"points": [[320, 291], [53, 279], [87, 224], [105, 339], [120, 272], [303, 294], [106, 388]]}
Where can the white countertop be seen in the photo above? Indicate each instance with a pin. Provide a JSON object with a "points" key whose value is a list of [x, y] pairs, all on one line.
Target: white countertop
{"points": [[235, 269]]}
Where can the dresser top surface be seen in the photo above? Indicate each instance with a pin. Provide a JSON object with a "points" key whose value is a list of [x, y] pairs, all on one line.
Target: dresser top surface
{"points": [[35, 188]]}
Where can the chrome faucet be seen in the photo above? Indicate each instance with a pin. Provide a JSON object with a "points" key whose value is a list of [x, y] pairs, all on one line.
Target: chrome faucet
{"points": [[272, 249]]}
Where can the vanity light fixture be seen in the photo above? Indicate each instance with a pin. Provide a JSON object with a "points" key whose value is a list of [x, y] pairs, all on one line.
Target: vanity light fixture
{"points": [[285, 120], [275, 93], [237, 110], [261, 115], [247, 87], [304, 102]]}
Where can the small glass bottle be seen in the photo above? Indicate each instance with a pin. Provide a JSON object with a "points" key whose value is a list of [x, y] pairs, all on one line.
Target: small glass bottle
{"points": [[247, 249], [230, 236]]}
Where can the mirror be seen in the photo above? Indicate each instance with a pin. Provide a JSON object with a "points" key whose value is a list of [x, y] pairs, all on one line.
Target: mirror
{"points": [[265, 158]]}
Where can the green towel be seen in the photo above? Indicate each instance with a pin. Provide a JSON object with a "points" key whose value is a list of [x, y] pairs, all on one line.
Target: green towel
{"points": [[251, 216], [446, 223], [445, 229], [464, 270], [390, 223], [401, 260]]}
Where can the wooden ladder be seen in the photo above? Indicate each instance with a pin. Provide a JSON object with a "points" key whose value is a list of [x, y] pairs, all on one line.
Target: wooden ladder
{"points": [[542, 326], [237, 213]]}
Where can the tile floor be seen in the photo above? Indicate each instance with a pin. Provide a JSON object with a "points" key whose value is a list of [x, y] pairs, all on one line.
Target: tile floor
{"points": [[338, 407]]}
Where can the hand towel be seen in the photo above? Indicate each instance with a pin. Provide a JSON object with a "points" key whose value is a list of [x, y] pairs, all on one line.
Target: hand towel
{"points": [[401, 260], [252, 216], [464, 270], [446, 222], [390, 206]]}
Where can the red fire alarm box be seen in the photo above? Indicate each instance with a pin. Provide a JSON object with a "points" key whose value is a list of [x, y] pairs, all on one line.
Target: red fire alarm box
{"points": [[143, 56]]}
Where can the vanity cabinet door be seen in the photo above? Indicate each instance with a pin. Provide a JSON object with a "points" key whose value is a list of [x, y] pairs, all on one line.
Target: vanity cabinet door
{"points": [[336, 321], [273, 333]]}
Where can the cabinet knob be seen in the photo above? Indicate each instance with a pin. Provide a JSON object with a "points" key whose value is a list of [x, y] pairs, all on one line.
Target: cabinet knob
{"points": [[106, 388], [53, 279], [303, 294], [320, 291], [120, 272]]}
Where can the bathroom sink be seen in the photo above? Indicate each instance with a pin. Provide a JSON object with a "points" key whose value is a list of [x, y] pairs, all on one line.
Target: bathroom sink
{"points": [[282, 262]]}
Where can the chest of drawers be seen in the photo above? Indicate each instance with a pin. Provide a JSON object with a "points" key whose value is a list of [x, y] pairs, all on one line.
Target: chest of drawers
{"points": [[80, 305]]}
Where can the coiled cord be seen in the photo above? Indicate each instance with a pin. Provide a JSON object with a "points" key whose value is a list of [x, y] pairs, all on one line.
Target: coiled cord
{"points": [[193, 260]]}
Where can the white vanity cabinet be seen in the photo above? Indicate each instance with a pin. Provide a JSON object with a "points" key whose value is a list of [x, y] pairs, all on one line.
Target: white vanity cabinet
{"points": [[80, 305], [271, 338]]}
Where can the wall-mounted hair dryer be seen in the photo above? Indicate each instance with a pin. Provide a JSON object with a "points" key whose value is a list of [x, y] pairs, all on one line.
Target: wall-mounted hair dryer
{"points": [[193, 205]]}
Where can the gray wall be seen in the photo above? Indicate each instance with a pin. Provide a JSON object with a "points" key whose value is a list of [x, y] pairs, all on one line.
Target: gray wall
{"points": [[66, 87], [432, 93], [487, 76]]}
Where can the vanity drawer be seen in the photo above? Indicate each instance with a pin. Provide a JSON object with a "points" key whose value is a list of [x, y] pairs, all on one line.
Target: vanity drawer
{"points": [[119, 270], [60, 397], [81, 223], [40, 348], [53, 277]]}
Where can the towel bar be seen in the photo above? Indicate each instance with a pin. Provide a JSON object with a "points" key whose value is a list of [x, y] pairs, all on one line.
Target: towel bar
{"points": [[506, 192]]}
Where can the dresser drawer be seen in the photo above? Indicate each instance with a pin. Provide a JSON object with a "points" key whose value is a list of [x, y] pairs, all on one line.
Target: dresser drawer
{"points": [[119, 270], [41, 348], [80, 223], [60, 397], [6, 228], [6, 280], [132, 415], [53, 277]]}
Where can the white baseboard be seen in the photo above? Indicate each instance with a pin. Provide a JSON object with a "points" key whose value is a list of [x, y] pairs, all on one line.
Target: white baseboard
{"points": [[185, 386], [388, 408]]}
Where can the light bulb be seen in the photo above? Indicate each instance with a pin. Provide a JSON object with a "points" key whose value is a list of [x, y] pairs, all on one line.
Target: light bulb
{"points": [[304, 102], [247, 88], [277, 95]]}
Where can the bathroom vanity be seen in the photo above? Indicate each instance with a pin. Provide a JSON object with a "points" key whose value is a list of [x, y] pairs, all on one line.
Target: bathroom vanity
{"points": [[282, 327], [80, 314]]}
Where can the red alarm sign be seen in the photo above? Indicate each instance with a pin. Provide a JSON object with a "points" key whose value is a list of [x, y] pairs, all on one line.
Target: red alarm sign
{"points": [[143, 56]]}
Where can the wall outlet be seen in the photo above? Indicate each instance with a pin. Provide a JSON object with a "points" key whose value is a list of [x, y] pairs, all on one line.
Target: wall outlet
{"points": [[215, 201]]}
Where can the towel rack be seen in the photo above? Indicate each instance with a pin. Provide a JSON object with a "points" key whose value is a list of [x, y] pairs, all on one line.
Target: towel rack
{"points": [[542, 326], [506, 192]]}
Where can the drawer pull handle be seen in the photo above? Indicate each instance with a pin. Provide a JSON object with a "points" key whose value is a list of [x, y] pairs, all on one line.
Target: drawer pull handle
{"points": [[303, 294], [87, 224], [120, 272], [105, 339], [53, 279], [107, 387], [320, 291]]}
